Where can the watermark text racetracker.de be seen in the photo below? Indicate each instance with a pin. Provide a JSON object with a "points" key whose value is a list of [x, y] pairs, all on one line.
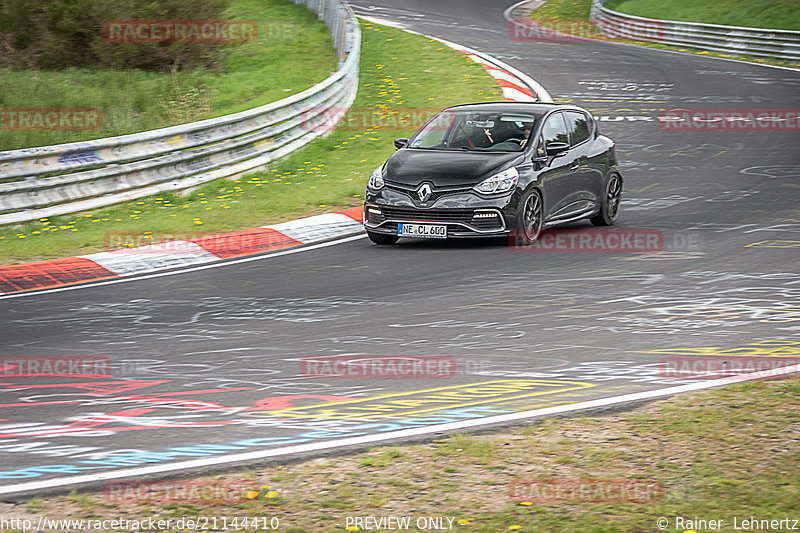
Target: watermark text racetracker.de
{"points": [[573, 491], [730, 120], [370, 119], [526, 30], [86, 366], [607, 241], [192, 523], [180, 31], [597, 241], [147, 242], [179, 492], [682, 367], [50, 119], [378, 367]]}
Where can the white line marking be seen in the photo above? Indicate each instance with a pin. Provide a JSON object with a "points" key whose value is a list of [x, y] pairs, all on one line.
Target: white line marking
{"points": [[317, 228], [514, 95], [185, 270], [132, 261], [498, 74], [405, 433]]}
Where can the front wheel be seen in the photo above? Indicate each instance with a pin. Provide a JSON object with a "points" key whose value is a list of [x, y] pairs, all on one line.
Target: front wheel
{"points": [[529, 218], [610, 207], [382, 238]]}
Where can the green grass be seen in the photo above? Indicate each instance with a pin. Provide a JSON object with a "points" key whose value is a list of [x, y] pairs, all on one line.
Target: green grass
{"points": [[722, 453], [294, 50], [465, 444], [775, 14], [553, 10], [399, 71], [565, 14], [381, 459]]}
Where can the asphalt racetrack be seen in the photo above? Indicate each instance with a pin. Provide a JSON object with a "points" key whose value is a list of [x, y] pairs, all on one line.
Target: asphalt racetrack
{"points": [[214, 362]]}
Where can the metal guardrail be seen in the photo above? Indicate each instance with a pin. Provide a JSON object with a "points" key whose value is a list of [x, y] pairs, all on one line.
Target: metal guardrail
{"points": [[736, 40], [65, 178]]}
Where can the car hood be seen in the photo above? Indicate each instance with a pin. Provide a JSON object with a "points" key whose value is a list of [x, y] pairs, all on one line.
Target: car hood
{"points": [[445, 169]]}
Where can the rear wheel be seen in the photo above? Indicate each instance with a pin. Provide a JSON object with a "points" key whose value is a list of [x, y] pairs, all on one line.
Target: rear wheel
{"points": [[529, 219], [610, 208], [382, 238]]}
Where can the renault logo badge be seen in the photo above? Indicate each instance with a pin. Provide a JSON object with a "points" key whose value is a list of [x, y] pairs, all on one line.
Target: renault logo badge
{"points": [[424, 191]]}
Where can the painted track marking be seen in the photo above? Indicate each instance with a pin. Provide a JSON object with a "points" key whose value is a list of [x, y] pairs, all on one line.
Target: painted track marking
{"points": [[392, 435]]}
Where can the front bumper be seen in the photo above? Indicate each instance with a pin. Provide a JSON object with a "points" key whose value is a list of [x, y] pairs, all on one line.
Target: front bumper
{"points": [[465, 213]]}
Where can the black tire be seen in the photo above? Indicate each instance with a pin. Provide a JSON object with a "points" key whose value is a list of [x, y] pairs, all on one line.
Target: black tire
{"points": [[382, 238], [529, 218], [610, 208]]}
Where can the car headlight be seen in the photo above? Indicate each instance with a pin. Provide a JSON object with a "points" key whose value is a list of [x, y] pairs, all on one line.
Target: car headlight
{"points": [[376, 179], [500, 182]]}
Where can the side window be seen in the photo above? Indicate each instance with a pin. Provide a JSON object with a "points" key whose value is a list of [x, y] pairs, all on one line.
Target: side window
{"points": [[579, 125], [554, 130]]}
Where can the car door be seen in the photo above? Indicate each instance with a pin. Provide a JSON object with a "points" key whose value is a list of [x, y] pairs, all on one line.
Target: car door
{"points": [[586, 173], [556, 178]]}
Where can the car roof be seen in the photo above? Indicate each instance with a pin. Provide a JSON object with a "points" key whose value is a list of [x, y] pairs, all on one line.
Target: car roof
{"points": [[538, 108]]}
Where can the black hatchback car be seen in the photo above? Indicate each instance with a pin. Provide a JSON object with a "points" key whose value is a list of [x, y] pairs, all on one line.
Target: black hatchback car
{"points": [[498, 168]]}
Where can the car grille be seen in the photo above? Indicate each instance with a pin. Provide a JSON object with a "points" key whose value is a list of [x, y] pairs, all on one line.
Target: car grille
{"points": [[487, 224], [466, 217], [374, 217], [463, 216], [433, 196]]}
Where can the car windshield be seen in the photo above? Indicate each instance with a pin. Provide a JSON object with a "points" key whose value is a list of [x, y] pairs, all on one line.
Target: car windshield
{"points": [[476, 131]]}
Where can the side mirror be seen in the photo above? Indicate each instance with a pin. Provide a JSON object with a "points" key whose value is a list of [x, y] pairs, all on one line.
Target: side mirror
{"points": [[402, 142], [556, 149]]}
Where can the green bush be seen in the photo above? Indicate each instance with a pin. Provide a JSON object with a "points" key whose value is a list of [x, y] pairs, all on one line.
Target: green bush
{"points": [[57, 34]]}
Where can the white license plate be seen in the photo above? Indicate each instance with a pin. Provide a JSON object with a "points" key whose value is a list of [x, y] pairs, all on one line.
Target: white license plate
{"points": [[428, 231]]}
